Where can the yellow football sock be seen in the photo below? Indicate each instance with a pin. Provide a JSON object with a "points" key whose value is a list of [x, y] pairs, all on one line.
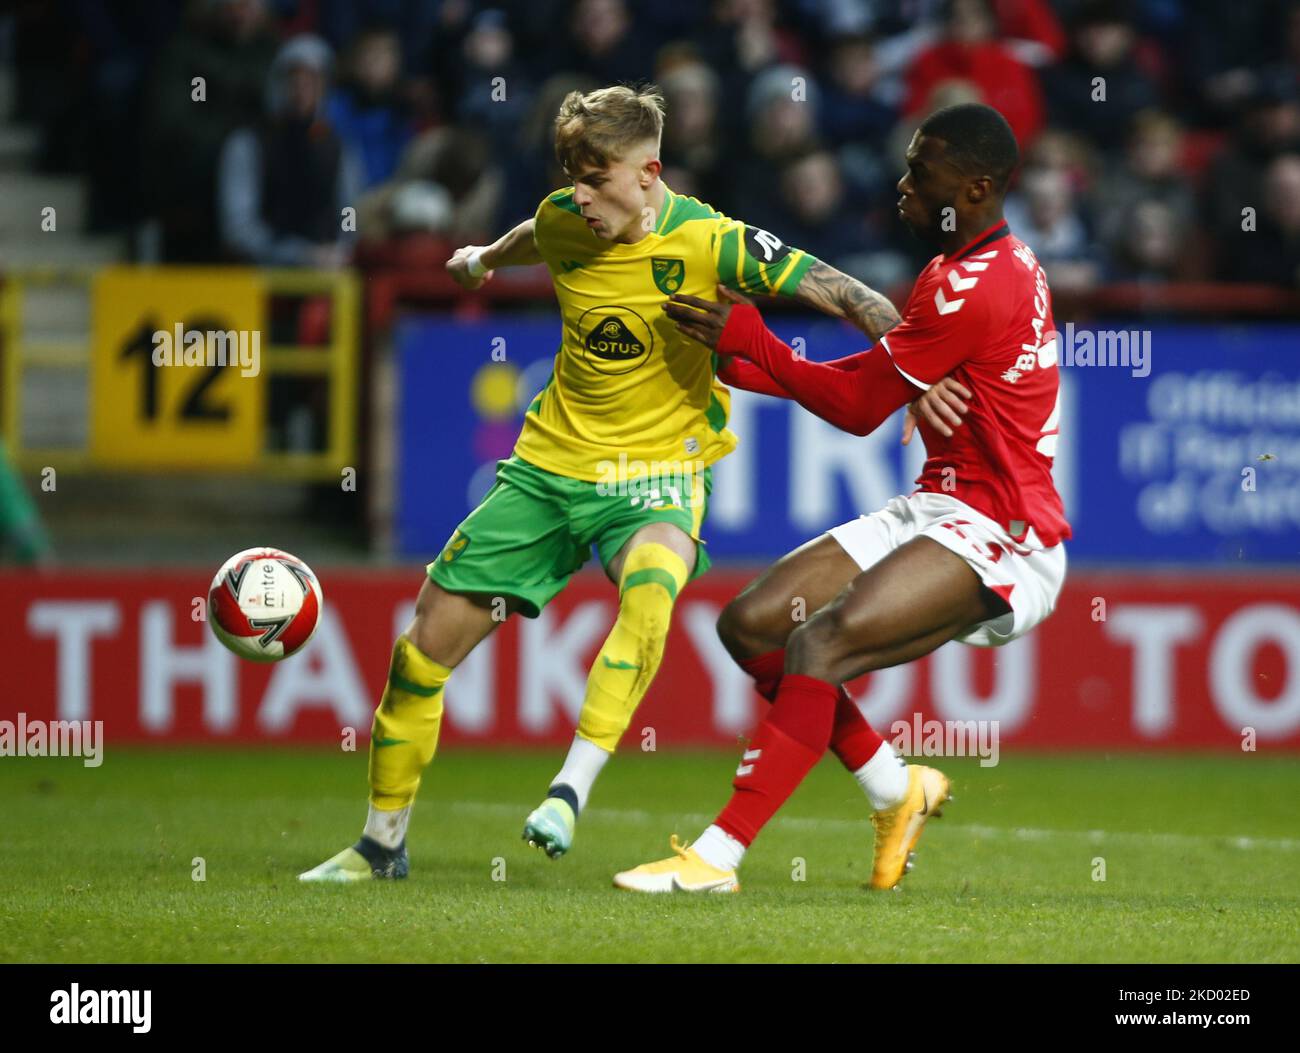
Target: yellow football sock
{"points": [[652, 576], [404, 733]]}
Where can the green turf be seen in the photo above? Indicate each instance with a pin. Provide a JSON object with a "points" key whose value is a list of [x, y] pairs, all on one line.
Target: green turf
{"points": [[96, 864]]}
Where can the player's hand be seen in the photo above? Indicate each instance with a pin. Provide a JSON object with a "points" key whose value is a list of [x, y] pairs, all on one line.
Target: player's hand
{"points": [[941, 406], [703, 320], [458, 268]]}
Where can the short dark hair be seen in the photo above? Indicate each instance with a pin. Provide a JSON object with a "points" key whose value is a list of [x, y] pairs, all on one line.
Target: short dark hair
{"points": [[980, 142]]}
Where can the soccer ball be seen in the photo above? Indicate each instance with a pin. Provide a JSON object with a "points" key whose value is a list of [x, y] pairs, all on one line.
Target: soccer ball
{"points": [[264, 604]]}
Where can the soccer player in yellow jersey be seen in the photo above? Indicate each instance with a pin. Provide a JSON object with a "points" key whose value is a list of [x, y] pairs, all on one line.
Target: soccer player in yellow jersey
{"points": [[614, 453]]}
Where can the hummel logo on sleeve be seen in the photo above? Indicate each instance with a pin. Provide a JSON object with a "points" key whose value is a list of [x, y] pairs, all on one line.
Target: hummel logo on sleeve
{"points": [[973, 267], [945, 305]]}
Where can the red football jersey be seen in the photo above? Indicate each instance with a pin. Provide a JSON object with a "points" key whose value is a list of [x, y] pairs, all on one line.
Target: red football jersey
{"points": [[984, 315]]}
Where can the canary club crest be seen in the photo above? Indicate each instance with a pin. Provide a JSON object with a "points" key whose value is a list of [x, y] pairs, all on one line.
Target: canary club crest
{"points": [[458, 544], [668, 273]]}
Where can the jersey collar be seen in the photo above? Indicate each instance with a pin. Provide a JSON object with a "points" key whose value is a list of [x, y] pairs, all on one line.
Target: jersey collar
{"points": [[667, 211], [985, 237]]}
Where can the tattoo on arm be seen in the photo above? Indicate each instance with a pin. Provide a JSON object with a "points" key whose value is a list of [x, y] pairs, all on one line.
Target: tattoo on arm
{"points": [[835, 293]]}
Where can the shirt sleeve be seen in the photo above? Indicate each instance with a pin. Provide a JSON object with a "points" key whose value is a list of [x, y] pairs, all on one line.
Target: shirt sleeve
{"points": [[940, 330], [738, 372], [541, 228], [752, 260], [856, 394]]}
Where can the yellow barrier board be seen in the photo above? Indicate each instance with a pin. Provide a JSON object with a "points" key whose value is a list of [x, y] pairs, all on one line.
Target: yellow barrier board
{"points": [[177, 368]]}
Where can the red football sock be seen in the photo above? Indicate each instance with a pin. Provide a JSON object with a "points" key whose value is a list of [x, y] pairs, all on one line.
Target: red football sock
{"points": [[853, 740], [767, 670], [784, 749]]}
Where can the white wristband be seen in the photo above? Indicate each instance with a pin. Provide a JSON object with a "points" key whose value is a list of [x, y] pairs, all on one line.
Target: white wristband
{"points": [[475, 264]]}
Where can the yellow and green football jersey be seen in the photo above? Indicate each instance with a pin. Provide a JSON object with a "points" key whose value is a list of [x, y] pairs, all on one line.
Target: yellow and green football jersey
{"points": [[625, 381]]}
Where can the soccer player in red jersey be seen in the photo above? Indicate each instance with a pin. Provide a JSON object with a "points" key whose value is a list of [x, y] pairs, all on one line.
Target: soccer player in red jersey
{"points": [[975, 554]]}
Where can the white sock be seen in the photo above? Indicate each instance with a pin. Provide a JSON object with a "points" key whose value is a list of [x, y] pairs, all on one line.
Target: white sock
{"points": [[581, 767], [388, 828], [883, 778], [719, 849]]}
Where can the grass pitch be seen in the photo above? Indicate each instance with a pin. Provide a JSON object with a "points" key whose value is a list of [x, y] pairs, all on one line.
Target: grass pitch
{"points": [[1201, 861]]}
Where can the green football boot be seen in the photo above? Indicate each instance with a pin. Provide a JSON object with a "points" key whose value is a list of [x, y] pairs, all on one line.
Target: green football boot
{"points": [[365, 861], [550, 826]]}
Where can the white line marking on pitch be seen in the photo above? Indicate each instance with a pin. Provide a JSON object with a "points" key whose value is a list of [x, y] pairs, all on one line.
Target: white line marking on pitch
{"points": [[637, 815]]}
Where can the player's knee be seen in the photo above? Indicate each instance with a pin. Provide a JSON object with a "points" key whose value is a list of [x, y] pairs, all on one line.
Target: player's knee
{"points": [[652, 576], [446, 626], [648, 588], [813, 648], [745, 628], [420, 631], [734, 628]]}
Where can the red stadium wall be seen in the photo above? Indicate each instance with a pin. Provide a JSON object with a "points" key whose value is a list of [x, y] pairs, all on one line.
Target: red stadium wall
{"points": [[1125, 661]]}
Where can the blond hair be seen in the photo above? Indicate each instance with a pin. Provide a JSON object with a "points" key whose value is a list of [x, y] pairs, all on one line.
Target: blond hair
{"points": [[598, 127]]}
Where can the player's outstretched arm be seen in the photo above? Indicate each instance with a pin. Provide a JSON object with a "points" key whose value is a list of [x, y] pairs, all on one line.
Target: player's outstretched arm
{"points": [[472, 265], [737, 372], [856, 394], [752, 357], [835, 293]]}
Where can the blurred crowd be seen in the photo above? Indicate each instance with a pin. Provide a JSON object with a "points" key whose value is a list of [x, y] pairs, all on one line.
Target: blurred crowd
{"points": [[1160, 139]]}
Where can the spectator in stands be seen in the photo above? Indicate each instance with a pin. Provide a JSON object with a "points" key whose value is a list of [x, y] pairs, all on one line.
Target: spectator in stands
{"points": [[449, 184], [603, 44], [1271, 253], [487, 80], [745, 37], [496, 91], [1101, 86], [970, 51], [1268, 128], [694, 147], [1032, 30], [1149, 246], [812, 211], [1148, 173], [283, 184], [121, 44], [208, 82], [781, 114], [782, 110], [1222, 58], [341, 22], [492, 149], [851, 112], [367, 110], [1044, 213], [1057, 148], [857, 119]]}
